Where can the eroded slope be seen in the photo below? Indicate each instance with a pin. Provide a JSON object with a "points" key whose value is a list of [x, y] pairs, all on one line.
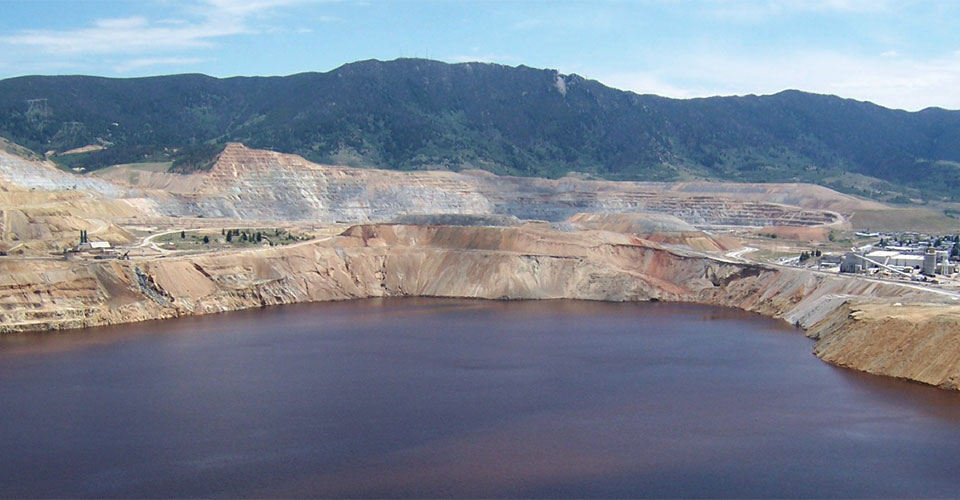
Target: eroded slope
{"points": [[490, 263], [258, 184]]}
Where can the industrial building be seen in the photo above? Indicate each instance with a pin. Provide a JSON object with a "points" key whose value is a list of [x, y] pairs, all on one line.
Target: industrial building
{"points": [[928, 261], [893, 258]]}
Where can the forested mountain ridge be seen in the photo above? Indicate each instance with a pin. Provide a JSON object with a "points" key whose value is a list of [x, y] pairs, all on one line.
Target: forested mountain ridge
{"points": [[415, 114]]}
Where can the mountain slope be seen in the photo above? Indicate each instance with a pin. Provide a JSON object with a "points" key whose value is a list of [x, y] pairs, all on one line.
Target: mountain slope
{"points": [[418, 114]]}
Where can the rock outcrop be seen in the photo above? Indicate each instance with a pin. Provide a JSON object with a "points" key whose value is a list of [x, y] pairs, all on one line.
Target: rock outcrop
{"points": [[493, 263], [255, 184], [918, 342]]}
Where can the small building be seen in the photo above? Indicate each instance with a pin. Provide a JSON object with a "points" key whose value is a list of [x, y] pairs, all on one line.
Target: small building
{"points": [[93, 246], [851, 263], [831, 259]]}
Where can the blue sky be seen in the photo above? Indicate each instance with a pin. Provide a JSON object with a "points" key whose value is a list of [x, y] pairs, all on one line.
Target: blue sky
{"points": [[901, 54]]}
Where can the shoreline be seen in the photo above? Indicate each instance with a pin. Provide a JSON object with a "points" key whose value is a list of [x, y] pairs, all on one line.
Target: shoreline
{"points": [[851, 320]]}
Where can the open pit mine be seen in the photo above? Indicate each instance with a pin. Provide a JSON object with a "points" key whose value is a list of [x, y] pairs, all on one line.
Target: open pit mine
{"points": [[376, 233]]}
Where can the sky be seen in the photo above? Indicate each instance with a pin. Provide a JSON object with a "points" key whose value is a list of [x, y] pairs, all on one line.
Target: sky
{"points": [[900, 54]]}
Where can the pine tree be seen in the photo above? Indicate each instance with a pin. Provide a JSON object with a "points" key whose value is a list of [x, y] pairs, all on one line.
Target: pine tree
{"points": [[206, 239]]}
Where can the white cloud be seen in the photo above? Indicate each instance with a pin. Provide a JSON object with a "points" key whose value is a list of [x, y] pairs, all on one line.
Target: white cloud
{"points": [[244, 8], [123, 23], [841, 5], [896, 82], [115, 36], [173, 22], [650, 83], [209, 20], [758, 11]]}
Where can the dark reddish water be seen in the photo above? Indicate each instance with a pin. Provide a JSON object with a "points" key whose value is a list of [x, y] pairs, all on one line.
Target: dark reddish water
{"points": [[444, 398]]}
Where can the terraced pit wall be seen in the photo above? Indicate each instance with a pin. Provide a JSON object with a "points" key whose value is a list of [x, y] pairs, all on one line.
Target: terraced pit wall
{"points": [[255, 184], [493, 263]]}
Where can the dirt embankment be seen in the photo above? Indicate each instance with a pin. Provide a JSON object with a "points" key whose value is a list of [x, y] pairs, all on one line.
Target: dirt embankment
{"points": [[919, 342], [659, 228], [492, 263]]}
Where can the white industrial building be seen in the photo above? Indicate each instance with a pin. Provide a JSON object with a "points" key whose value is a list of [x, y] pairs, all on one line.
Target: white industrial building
{"points": [[936, 261], [894, 259], [93, 246]]}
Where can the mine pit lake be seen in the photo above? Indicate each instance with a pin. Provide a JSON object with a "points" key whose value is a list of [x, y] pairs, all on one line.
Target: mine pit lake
{"points": [[461, 398]]}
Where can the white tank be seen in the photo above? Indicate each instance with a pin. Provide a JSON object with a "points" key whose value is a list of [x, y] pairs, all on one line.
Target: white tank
{"points": [[929, 262]]}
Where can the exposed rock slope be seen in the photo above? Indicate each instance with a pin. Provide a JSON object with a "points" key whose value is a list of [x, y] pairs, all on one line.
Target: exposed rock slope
{"points": [[660, 228], [258, 184], [491, 263], [917, 342], [44, 208]]}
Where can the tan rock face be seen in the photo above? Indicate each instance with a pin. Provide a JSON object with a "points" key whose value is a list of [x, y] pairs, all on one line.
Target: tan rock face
{"points": [[660, 228], [254, 184], [919, 342], [45, 208], [492, 263]]}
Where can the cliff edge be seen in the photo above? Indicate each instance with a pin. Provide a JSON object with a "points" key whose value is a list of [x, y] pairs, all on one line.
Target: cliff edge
{"points": [[916, 341]]}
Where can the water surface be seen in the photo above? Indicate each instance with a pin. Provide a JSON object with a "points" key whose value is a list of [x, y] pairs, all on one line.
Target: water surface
{"points": [[450, 398]]}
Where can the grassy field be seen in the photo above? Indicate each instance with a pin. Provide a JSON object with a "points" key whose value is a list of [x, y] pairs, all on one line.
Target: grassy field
{"points": [[924, 220]]}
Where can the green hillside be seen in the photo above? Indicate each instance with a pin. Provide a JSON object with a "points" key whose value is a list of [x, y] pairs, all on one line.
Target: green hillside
{"points": [[418, 114]]}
